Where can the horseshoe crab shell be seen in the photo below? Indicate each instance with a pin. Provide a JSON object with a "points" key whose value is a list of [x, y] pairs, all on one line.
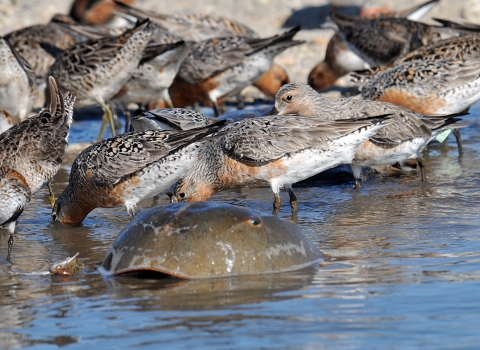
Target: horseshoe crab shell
{"points": [[207, 239]]}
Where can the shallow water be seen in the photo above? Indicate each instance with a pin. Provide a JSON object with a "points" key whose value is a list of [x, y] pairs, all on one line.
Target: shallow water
{"points": [[404, 271]]}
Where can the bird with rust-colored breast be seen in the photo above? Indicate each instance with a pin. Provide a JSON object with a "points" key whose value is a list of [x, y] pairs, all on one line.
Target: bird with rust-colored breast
{"points": [[122, 170], [439, 79], [30, 155], [275, 151], [222, 67], [340, 59], [403, 139]]}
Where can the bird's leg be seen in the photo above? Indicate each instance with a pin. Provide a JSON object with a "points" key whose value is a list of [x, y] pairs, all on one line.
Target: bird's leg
{"points": [[107, 117], [293, 204], [111, 117], [168, 102], [240, 102], [10, 245], [128, 120], [127, 115], [216, 109], [357, 173], [131, 212], [427, 148], [421, 164], [276, 204], [51, 196], [456, 132], [357, 184]]}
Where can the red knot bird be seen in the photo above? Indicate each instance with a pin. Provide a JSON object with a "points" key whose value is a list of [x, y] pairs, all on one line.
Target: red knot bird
{"points": [[18, 90], [383, 40], [95, 11], [96, 70], [201, 27], [340, 59], [221, 67], [125, 169], [14, 197], [434, 87], [438, 79], [465, 47], [151, 79], [272, 80], [28, 43], [192, 27], [31, 153], [401, 140], [158, 67], [274, 150]]}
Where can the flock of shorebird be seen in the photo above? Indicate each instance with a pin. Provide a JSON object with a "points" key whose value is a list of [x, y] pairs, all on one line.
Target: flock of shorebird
{"points": [[416, 80]]}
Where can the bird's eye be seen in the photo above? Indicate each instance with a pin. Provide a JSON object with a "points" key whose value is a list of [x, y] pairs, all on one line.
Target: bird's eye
{"points": [[289, 98], [182, 195], [255, 221]]}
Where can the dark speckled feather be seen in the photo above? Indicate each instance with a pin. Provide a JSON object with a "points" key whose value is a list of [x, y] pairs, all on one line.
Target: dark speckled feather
{"points": [[125, 169], [169, 119], [98, 69], [271, 137], [116, 157], [211, 56], [383, 40], [36, 147]]}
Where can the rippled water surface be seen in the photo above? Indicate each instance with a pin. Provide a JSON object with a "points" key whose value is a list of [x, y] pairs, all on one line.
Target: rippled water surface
{"points": [[404, 271]]}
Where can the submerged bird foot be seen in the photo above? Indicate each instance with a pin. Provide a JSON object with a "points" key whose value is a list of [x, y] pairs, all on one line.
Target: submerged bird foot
{"points": [[10, 245], [276, 204]]}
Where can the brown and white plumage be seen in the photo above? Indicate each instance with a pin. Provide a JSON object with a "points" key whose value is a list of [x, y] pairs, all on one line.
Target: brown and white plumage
{"points": [[14, 197], [340, 59], [151, 79], [31, 153], [382, 40], [221, 67], [18, 90], [466, 47], [158, 67], [192, 27], [434, 86], [28, 43], [402, 139], [96, 70], [276, 151], [439, 79], [36, 147], [125, 169], [95, 12], [6, 121]]}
